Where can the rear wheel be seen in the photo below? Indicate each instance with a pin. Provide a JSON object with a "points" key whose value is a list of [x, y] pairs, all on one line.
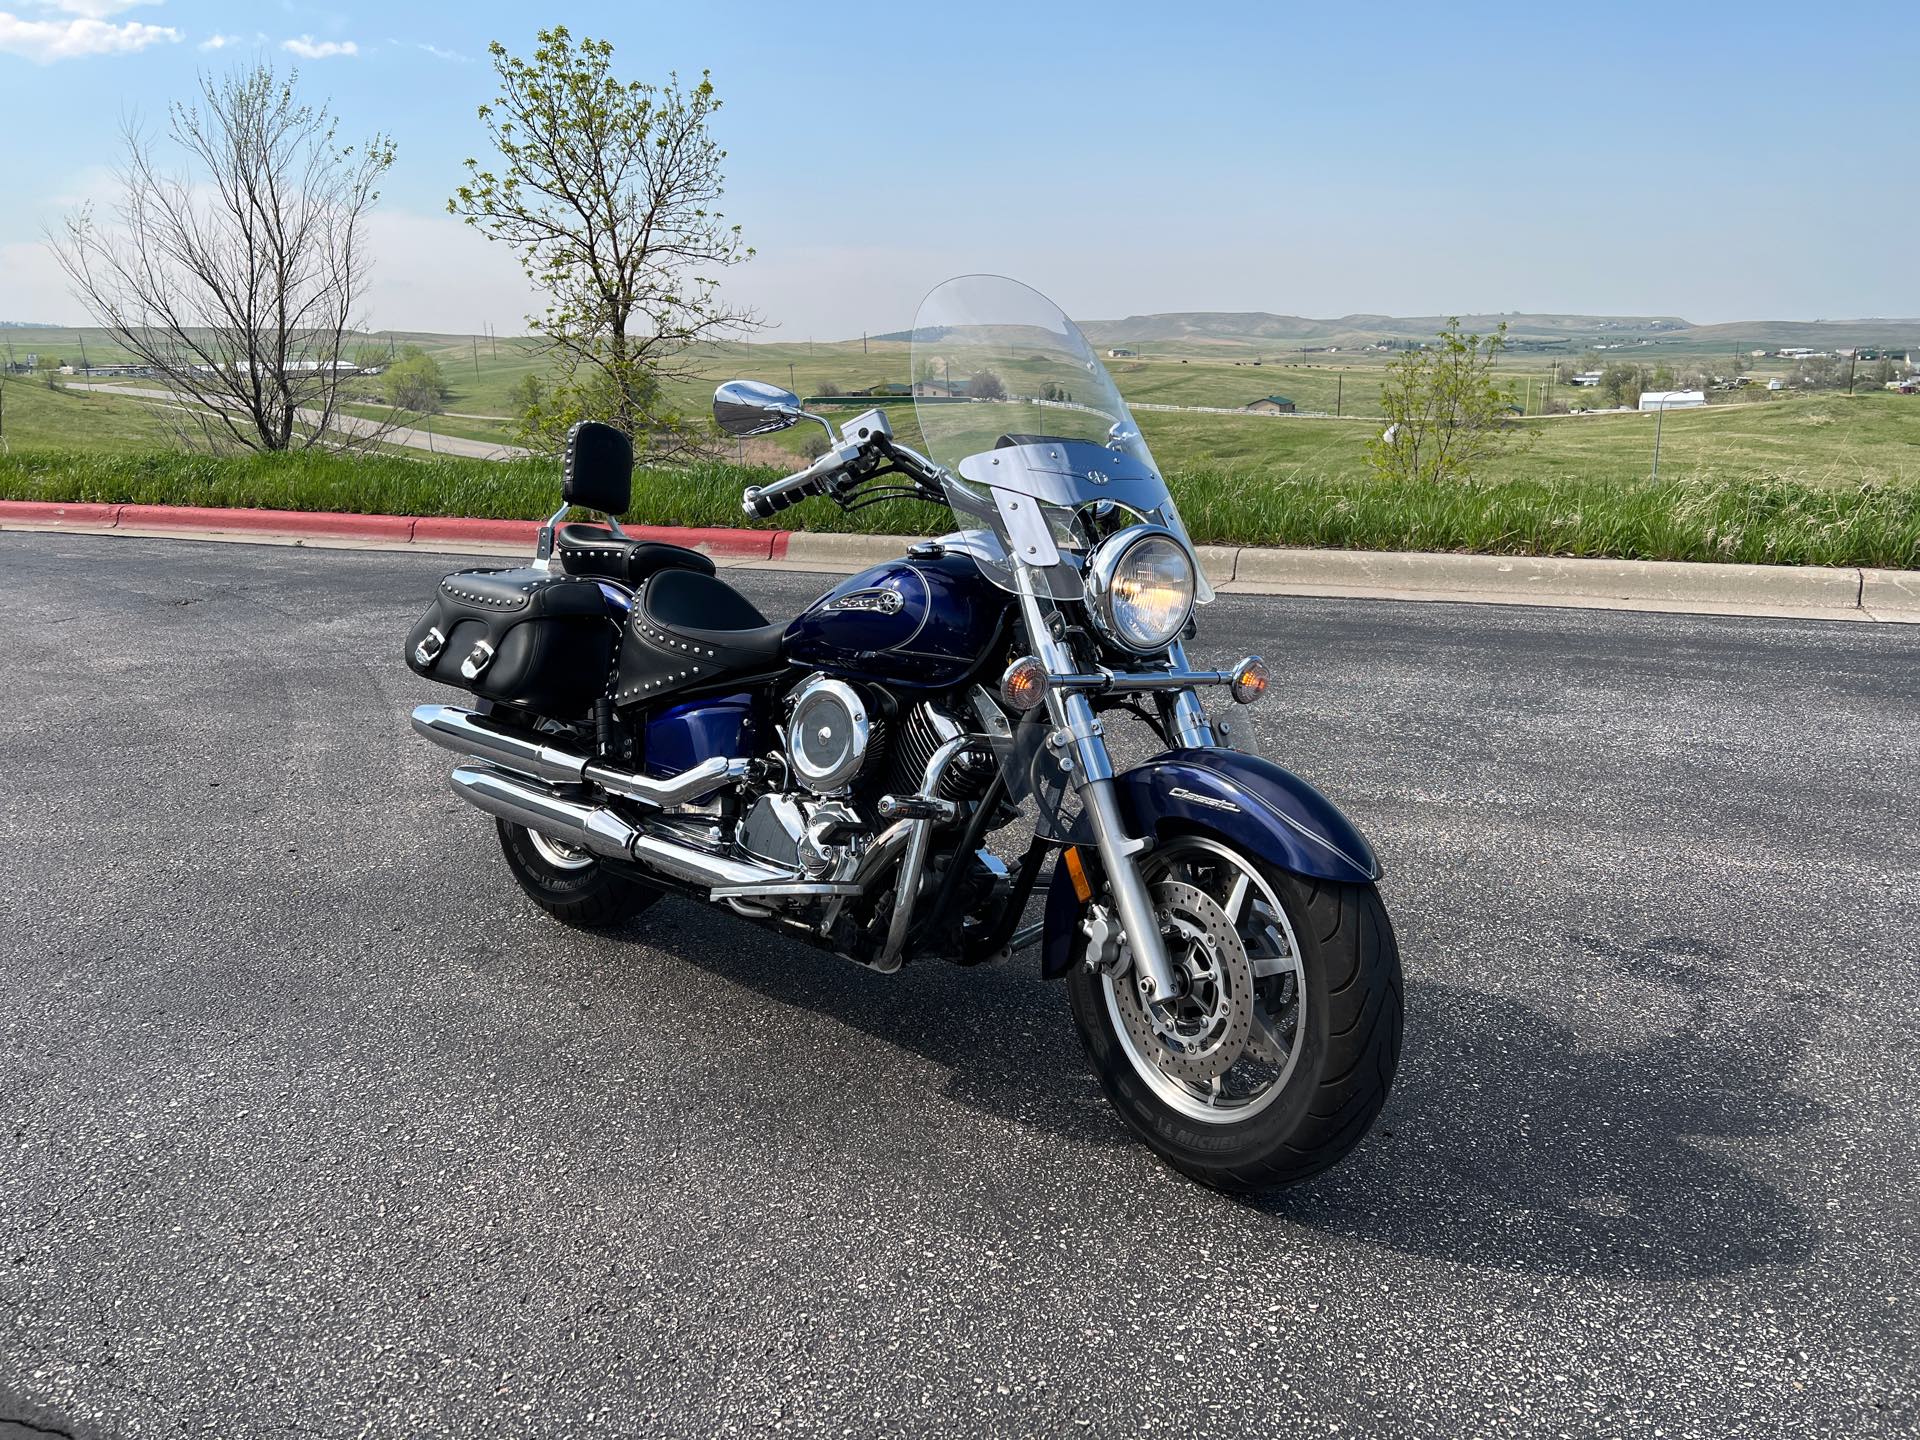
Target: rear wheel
{"points": [[573, 885], [1281, 1053]]}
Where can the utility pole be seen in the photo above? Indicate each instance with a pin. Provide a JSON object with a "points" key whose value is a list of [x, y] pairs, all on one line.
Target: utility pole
{"points": [[1339, 389], [1853, 361], [863, 342], [476, 356], [789, 375], [84, 366], [1659, 419]]}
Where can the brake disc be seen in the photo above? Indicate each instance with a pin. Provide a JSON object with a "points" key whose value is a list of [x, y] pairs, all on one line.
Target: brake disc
{"points": [[1198, 1037]]}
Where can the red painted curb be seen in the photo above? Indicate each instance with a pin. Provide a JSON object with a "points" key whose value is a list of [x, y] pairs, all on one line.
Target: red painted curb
{"points": [[446, 529], [507, 532], [43, 512], [745, 544], [275, 522]]}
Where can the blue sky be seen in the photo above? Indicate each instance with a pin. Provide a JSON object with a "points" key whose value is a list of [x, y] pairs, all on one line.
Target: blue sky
{"points": [[1732, 162]]}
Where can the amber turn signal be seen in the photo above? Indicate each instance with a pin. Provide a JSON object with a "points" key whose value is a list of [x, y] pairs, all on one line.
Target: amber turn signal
{"points": [[1024, 685], [1250, 680]]}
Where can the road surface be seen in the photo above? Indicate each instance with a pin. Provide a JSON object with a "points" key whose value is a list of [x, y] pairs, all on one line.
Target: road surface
{"points": [[315, 1127]]}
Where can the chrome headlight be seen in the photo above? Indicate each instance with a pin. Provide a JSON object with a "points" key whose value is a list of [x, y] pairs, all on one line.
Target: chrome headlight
{"points": [[1140, 589]]}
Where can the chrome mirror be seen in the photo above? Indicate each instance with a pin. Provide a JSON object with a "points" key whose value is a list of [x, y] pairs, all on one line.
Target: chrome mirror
{"points": [[748, 407]]}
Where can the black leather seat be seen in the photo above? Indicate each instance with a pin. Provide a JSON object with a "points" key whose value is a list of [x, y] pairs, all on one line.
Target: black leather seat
{"points": [[689, 628], [596, 550]]}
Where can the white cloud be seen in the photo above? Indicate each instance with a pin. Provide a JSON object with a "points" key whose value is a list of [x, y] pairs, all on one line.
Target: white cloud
{"points": [[91, 9], [437, 53], [225, 42], [308, 48], [44, 41]]}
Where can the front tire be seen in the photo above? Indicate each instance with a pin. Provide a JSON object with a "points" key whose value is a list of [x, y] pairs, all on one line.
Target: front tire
{"points": [[574, 886], [1311, 1065]]}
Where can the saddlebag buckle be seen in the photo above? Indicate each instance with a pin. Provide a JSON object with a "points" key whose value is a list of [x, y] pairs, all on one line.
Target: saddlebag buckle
{"points": [[477, 660], [430, 647]]}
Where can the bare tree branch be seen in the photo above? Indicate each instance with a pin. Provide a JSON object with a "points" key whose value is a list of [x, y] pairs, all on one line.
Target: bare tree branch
{"points": [[238, 279]]}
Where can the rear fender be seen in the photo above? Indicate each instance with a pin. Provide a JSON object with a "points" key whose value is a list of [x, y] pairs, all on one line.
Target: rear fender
{"points": [[1241, 800]]}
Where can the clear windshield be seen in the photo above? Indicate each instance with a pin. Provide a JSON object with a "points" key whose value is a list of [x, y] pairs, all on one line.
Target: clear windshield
{"points": [[1044, 456]]}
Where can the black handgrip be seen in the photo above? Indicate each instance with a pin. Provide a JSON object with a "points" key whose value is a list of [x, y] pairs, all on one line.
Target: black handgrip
{"points": [[763, 503]]}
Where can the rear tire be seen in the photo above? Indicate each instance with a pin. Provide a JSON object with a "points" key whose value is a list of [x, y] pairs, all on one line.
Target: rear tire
{"points": [[1347, 1041], [575, 887]]}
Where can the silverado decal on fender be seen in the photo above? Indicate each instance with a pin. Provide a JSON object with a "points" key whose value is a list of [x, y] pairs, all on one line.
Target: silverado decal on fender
{"points": [[1180, 792]]}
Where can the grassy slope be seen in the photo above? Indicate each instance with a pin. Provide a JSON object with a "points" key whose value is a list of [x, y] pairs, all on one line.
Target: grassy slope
{"points": [[1827, 439], [32, 415], [1752, 520]]}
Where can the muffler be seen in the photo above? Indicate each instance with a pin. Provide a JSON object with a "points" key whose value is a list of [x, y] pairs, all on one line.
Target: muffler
{"points": [[466, 733], [521, 801]]}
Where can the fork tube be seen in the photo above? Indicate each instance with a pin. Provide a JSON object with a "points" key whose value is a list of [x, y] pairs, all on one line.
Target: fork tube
{"points": [[1190, 724], [1073, 715]]}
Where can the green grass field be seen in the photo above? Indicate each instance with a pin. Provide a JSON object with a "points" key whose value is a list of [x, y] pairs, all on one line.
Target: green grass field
{"points": [[1793, 477], [1818, 440], [1757, 521]]}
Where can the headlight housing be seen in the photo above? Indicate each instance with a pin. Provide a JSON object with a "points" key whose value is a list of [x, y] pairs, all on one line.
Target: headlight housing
{"points": [[1140, 589]]}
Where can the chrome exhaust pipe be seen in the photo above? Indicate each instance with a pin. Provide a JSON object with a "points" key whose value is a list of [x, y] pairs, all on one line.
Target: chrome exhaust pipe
{"points": [[521, 802], [469, 734], [466, 733], [594, 827]]}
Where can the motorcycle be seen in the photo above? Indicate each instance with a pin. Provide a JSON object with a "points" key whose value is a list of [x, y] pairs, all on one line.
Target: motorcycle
{"points": [[639, 728]]}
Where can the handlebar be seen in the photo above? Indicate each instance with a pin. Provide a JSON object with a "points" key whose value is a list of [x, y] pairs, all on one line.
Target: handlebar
{"points": [[761, 501]]}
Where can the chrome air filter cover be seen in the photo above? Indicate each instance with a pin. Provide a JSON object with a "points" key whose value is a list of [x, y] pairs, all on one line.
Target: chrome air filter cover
{"points": [[828, 734]]}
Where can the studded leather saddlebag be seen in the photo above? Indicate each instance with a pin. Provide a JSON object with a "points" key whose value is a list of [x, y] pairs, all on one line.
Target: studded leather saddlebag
{"points": [[520, 637]]}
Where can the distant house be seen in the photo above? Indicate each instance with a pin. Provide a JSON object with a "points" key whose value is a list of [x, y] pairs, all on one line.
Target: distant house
{"points": [[1672, 399], [1587, 379], [940, 389], [880, 392], [1120, 352], [1272, 405]]}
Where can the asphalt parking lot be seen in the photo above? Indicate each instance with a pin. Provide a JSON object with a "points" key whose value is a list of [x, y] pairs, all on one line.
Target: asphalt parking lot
{"points": [[314, 1127]]}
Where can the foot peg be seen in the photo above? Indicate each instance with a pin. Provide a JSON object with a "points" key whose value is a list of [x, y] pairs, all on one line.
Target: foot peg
{"points": [[917, 807]]}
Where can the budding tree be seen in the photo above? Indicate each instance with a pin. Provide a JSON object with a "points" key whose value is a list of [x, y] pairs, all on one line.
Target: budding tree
{"points": [[237, 278], [606, 191], [1446, 413]]}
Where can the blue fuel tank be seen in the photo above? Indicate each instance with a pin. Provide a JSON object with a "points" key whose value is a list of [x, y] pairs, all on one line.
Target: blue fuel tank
{"points": [[920, 622]]}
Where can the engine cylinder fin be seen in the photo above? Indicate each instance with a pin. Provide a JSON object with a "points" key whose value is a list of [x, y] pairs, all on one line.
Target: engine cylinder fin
{"points": [[922, 731]]}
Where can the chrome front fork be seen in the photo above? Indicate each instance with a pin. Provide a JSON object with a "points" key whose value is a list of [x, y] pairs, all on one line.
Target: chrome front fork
{"points": [[1074, 721]]}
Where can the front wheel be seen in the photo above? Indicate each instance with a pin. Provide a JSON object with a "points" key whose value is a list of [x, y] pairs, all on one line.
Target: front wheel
{"points": [[573, 885], [1275, 1062]]}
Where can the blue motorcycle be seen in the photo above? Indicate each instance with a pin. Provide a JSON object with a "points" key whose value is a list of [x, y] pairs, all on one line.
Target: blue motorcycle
{"points": [[864, 775]]}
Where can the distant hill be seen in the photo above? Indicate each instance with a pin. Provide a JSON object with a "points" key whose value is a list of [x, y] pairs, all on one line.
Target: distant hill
{"points": [[1242, 330]]}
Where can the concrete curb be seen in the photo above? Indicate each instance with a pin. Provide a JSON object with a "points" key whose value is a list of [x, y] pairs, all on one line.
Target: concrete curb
{"points": [[1810, 592]]}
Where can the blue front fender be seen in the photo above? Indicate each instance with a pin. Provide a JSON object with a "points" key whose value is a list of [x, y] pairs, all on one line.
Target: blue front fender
{"points": [[1249, 803]]}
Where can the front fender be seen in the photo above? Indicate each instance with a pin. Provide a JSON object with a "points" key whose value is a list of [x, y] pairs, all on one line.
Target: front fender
{"points": [[1249, 803]]}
